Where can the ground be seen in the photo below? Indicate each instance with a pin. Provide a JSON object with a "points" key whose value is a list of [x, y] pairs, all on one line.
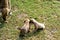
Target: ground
{"points": [[47, 12]]}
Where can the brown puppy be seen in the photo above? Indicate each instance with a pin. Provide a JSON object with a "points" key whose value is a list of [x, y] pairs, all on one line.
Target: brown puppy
{"points": [[5, 8], [38, 26], [25, 28]]}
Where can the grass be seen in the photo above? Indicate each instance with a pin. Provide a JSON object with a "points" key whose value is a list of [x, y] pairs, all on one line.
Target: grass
{"points": [[47, 12]]}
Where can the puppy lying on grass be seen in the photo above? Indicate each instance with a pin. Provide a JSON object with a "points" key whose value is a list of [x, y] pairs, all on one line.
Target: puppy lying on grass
{"points": [[38, 26], [25, 28]]}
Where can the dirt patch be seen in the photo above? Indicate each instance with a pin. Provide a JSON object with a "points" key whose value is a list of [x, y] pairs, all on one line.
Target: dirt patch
{"points": [[49, 34], [22, 16]]}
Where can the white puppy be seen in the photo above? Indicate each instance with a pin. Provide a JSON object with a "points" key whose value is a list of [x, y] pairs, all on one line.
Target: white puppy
{"points": [[37, 24]]}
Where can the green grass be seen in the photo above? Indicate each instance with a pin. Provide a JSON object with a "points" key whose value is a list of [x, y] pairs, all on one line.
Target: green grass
{"points": [[47, 12]]}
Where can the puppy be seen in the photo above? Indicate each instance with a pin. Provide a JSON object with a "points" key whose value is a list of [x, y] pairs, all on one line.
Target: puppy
{"points": [[38, 26], [25, 28]]}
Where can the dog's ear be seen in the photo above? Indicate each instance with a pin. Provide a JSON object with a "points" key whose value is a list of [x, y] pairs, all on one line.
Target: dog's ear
{"points": [[24, 21], [19, 28], [30, 21]]}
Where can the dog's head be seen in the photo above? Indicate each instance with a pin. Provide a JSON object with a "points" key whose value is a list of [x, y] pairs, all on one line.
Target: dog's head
{"points": [[26, 20], [32, 20]]}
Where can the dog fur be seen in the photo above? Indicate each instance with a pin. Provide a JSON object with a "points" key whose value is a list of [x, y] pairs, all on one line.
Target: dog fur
{"points": [[38, 26], [5, 8], [25, 28]]}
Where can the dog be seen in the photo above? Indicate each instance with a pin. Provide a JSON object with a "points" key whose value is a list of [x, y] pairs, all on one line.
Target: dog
{"points": [[38, 26], [25, 28], [5, 8]]}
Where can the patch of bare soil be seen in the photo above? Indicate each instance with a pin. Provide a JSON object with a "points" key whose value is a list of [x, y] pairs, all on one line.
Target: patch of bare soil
{"points": [[49, 34], [15, 8], [22, 16]]}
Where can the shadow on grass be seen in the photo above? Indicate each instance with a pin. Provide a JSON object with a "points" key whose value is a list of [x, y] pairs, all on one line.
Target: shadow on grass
{"points": [[29, 35], [1, 23], [33, 33]]}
